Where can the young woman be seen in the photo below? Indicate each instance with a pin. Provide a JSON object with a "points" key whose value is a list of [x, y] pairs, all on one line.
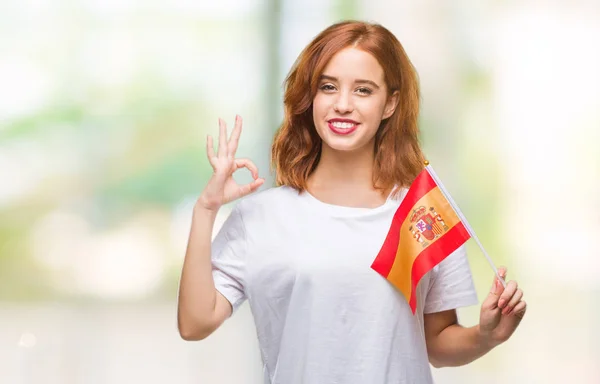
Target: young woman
{"points": [[344, 157]]}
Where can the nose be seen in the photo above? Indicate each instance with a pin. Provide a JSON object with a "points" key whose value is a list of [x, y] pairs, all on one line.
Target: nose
{"points": [[343, 103]]}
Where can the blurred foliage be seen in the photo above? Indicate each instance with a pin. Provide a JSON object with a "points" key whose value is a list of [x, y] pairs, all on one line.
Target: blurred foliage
{"points": [[136, 148]]}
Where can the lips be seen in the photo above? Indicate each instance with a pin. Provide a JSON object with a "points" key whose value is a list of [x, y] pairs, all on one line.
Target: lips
{"points": [[342, 126]]}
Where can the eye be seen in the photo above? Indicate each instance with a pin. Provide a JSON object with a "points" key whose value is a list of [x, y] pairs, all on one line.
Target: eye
{"points": [[327, 87], [364, 91]]}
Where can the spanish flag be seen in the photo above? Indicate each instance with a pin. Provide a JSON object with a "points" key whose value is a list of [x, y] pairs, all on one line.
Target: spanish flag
{"points": [[424, 231]]}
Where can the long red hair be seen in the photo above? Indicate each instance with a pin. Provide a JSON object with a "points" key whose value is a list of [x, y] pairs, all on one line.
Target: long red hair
{"points": [[297, 146]]}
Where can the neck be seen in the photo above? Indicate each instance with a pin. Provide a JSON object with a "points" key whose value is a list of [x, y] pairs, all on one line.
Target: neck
{"points": [[344, 169]]}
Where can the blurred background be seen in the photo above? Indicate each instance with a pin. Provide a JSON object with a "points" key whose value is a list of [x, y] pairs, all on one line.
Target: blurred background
{"points": [[104, 110]]}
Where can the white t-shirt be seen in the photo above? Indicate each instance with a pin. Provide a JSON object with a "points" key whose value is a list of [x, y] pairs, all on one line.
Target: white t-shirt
{"points": [[322, 314]]}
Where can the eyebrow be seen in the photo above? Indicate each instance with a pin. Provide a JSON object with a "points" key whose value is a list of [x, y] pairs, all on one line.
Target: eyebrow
{"points": [[358, 81]]}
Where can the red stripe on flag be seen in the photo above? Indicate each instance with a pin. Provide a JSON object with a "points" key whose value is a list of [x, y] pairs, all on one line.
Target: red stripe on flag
{"points": [[433, 255], [420, 187]]}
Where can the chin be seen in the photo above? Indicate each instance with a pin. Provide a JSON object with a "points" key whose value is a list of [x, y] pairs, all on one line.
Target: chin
{"points": [[342, 147], [342, 144]]}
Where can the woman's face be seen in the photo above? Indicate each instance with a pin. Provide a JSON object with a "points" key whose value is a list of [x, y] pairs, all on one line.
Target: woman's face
{"points": [[351, 100]]}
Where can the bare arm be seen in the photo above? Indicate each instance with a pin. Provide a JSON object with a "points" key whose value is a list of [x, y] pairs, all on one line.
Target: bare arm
{"points": [[449, 344], [201, 308]]}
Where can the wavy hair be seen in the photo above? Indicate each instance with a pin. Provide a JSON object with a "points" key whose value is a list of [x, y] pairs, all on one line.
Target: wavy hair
{"points": [[296, 147]]}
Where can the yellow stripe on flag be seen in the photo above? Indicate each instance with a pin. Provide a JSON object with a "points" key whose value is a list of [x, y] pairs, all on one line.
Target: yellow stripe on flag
{"points": [[409, 248]]}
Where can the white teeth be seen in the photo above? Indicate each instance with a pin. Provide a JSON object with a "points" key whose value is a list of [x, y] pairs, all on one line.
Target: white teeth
{"points": [[338, 124]]}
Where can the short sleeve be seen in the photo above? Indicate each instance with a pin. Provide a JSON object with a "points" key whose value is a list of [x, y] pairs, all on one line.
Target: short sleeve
{"points": [[451, 284], [229, 259]]}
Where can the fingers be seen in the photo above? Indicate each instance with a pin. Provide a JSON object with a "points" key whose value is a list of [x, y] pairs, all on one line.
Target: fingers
{"points": [[513, 302], [256, 184], [210, 150], [520, 310], [505, 300], [491, 301], [247, 163], [235, 136], [253, 186], [222, 139], [509, 292], [249, 188], [497, 286]]}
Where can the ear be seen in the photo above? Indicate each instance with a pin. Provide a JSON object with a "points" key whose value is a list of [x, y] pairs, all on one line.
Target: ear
{"points": [[390, 105]]}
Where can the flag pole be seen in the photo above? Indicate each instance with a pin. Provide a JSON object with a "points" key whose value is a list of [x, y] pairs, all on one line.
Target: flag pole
{"points": [[463, 219]]}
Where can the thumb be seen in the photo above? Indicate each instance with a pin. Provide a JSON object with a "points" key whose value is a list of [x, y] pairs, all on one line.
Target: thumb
{"points": [[491, 301], [497, 287], [251, 187]]}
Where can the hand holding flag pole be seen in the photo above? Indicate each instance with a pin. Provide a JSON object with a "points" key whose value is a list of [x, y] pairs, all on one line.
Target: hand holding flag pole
{"points": [[426, 228]]}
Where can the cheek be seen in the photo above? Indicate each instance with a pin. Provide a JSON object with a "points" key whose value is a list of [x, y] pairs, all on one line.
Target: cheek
{"points": [[372, 110], [319, 104]]}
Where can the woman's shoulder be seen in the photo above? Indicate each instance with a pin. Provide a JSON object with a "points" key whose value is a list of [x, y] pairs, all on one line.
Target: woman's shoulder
{"points": [[268, 198]]}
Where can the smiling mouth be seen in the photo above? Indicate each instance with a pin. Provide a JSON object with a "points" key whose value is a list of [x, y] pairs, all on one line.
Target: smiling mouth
{"points": [[342, 128]]}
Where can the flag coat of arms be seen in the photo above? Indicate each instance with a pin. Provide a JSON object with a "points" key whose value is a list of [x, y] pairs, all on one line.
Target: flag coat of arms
{"points": [[424, 231]]}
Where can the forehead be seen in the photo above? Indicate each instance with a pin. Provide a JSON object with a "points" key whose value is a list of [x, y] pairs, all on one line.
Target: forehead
{"points": [[352, 63]]}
